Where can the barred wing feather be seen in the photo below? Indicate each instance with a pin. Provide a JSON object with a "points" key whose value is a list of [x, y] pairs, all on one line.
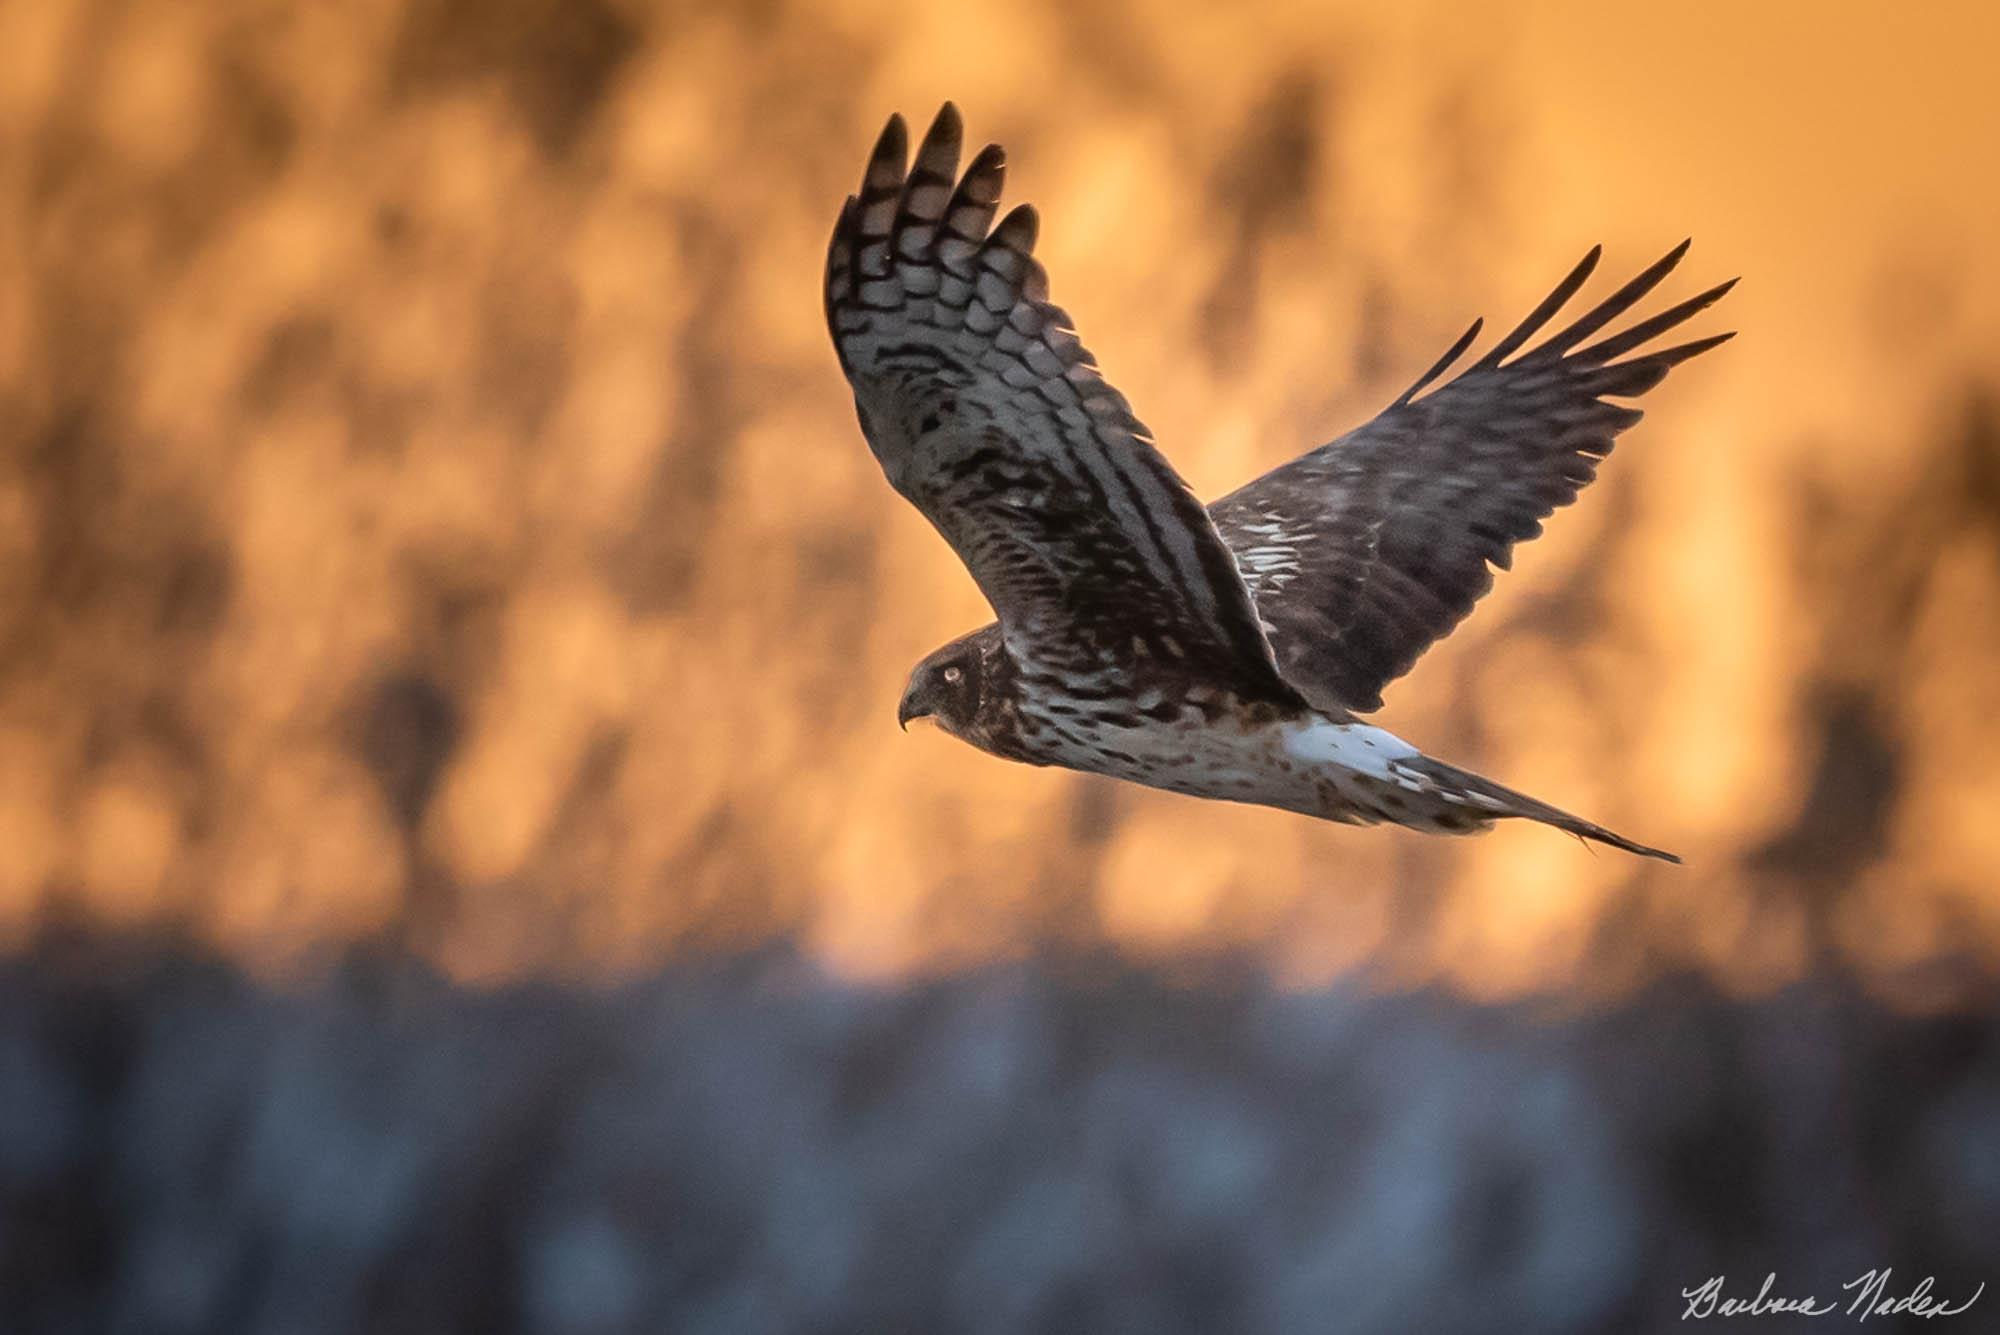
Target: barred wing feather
{"points": [[987, 414], [1364, 552]]}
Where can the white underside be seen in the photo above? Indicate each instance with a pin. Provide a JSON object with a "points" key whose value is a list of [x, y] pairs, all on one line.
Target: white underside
{"points": [[1344, 771], [1354, 746]]}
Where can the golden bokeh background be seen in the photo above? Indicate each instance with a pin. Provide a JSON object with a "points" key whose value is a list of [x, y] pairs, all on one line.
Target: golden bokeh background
{"points": [[430, 511]]}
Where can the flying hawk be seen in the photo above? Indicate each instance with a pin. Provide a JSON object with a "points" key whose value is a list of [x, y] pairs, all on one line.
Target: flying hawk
{"points": [[1221, 652]]}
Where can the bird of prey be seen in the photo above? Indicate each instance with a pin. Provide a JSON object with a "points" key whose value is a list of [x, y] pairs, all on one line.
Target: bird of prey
{"points": [[1223, 651]]}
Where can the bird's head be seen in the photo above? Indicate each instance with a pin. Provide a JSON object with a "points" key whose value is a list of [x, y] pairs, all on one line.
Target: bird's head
{"points": [[945, 686]]}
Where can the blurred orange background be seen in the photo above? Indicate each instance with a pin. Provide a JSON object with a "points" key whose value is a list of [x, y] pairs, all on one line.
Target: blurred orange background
{"points": [[430, 510]]}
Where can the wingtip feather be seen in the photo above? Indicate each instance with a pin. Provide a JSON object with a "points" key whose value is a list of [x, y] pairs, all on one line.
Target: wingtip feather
{"points": [[1559, 344], [1018, 230], [1443, 363], [1609, 349], [892, 147], [939, 150], [1543, 313]]}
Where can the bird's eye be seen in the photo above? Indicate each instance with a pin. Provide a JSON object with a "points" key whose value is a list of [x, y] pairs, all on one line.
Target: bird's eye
{"points": [[954, 675]]}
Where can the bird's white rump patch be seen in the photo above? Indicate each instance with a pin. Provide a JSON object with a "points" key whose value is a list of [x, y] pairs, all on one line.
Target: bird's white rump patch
{"points": [[1354, 746]]}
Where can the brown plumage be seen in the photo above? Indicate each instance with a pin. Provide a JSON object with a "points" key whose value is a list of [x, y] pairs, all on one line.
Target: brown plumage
{"points": [[1214, 651]]}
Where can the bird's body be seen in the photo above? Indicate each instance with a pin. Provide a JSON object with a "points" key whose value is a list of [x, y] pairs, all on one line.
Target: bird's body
{"points": [[1299, 761], [1213, 744], [1220, 652]]}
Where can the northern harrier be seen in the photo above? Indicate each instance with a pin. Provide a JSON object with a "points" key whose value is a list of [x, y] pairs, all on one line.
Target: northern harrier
{"points": [[1220, 652]]}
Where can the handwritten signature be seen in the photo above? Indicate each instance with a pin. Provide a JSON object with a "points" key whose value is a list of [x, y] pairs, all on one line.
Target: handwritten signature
{"points": [[1871, 1297]]}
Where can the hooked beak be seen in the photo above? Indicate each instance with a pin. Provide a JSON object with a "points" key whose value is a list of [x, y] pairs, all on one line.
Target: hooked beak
{"points": [[910, 707]]}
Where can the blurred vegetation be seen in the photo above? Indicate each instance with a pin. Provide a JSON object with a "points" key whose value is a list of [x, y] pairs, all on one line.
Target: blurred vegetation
{"points": [[430, 514], [745, 1144]]}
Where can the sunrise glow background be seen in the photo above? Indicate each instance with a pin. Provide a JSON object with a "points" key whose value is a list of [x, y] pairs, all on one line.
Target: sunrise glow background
{"points": [[430, 510]]}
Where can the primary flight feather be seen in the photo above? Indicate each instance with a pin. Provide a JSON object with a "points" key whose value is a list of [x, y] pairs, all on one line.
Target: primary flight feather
{"points": [[1219, 651]]}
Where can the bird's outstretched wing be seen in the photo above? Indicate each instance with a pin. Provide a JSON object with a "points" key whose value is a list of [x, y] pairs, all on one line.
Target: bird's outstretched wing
{"points": [[988, 415], [1364, 552]]}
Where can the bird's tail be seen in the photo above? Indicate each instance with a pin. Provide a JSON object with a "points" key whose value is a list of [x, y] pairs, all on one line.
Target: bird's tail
{"points": [[1489, 801]]}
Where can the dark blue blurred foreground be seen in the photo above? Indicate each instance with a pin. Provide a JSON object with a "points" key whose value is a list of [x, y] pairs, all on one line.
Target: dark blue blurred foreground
{"points": [[1065, 1146]]}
